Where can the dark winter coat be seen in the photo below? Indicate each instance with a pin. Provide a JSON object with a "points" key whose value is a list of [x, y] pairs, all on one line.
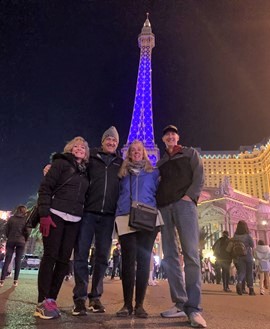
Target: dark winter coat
{"points": [[15, 229], [181, 174], [219, 249], [71, 197], [103, 190]]}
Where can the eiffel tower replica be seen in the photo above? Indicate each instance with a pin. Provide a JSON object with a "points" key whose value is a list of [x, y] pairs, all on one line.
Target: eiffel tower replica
{"points": [[141, 127]]}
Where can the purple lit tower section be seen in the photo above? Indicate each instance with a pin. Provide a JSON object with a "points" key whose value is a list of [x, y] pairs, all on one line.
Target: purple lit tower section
{"points": [[141, 127]]}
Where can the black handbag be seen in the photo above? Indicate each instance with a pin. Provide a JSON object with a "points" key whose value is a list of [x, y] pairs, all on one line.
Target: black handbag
{"points": [[142, 216], [33, 218]]}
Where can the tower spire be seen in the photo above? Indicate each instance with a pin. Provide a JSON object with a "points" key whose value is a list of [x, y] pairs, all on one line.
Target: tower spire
{"points": [[141, 127]]}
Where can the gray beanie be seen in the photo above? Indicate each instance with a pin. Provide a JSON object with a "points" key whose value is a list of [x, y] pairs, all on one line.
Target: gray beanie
{"points": [[111, 132]]}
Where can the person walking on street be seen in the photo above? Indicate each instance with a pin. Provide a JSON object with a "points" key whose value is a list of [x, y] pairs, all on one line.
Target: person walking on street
{"points": [[224, 258], [97, 223], [17, 235], [180, 186], [116, 260], [244, 262], [262, 257]]}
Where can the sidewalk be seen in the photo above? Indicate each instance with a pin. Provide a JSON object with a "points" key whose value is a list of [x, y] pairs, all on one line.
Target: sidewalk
{"points": [[221, 310]]}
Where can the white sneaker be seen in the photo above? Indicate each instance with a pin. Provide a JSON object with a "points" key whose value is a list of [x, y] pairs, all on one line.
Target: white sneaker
{"points": [[196, 320], [173, 312]]}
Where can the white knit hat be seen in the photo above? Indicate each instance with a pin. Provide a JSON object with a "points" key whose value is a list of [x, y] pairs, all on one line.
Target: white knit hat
{"points": [[111, 132]]}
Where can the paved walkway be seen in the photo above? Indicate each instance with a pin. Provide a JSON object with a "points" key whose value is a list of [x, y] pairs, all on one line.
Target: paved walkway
{"points": [[221, 310]]}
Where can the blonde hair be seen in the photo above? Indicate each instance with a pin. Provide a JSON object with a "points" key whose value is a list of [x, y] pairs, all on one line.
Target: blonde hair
{"points": [[69, 146], [124, 168]]}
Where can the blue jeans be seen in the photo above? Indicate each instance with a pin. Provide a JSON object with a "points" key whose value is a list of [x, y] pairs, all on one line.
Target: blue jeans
{"points": [[183, 216], [12, 247], [100, 227], [245, 270]]}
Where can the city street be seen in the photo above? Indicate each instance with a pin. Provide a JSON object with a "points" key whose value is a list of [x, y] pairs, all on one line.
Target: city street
{"points": [[221, 310]]}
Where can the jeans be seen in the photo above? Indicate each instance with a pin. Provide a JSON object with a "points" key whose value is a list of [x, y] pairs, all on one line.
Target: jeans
{"points": [[183, 216], [225, 265], [101, 227], [10, 248], [245, 270], [54, 265], [136, 255]]}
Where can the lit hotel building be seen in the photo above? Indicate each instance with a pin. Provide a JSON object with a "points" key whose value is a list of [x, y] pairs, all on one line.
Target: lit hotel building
{"points": [[237, 186]]}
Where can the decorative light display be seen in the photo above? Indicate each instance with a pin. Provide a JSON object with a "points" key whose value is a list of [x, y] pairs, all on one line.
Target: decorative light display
{"points": [[141, 127]]}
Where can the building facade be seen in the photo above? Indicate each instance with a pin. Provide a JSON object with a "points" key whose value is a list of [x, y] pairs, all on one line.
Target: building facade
{"points": [[236, 188], [247, 169]]}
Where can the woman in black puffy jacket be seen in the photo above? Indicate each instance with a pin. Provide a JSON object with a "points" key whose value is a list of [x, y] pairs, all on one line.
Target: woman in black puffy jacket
{"points": [[60, 205], [17, 235]]}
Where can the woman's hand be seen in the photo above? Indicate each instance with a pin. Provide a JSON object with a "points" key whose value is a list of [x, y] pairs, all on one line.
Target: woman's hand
{"points": [[45, 225]]}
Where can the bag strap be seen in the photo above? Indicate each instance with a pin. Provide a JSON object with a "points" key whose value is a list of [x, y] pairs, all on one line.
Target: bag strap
{"points": [[130, 195], [65, 182]]}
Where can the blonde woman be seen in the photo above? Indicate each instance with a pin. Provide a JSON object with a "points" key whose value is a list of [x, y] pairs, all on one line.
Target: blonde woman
{"points": [[137, 174], [60, 205]]}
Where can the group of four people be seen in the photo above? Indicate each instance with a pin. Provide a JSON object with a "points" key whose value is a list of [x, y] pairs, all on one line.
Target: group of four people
{"points": [[84, 194]]}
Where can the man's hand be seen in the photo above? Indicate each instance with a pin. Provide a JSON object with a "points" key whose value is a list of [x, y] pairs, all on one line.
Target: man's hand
{"points": [[45, 225], [46, 169], [187, 198]]}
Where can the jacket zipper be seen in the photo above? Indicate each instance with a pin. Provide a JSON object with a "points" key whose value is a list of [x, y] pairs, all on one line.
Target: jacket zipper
{"points": [[105, 188]]}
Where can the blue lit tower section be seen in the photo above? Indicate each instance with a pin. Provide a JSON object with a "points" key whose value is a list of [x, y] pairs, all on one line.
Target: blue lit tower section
{"points": [[141, 127]]}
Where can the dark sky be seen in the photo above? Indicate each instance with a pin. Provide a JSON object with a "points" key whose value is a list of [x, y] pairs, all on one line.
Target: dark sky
{"points": [[69, 68]]}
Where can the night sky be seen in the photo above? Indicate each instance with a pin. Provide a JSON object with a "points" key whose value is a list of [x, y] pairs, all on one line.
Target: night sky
{"points": [[69, 68]]}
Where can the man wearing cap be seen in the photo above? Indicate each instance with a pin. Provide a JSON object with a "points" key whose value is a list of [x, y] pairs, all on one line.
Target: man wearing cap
{"points": [[224, 259], [98, 223], [180, 186]]}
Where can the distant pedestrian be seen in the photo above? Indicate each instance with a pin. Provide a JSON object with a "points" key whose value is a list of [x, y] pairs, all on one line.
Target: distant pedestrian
{"points": [[262, 257], [17, 235], [244, 263], [224, 258], [116, 261]]}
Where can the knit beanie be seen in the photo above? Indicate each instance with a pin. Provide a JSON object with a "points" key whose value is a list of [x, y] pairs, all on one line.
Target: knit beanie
{"points": [[111, 132]]}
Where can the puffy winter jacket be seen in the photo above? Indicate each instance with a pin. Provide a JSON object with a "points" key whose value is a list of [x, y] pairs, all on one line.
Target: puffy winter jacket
{"points": [[144, 187], [71, 197]]}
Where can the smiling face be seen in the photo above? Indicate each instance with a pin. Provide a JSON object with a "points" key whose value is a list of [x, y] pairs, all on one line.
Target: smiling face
{"points": [[109, 145], [170, 139], [136, 152], [79, 151]]}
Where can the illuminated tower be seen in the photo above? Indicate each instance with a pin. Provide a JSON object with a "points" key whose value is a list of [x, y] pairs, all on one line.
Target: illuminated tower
{"points": [[141, 127]]}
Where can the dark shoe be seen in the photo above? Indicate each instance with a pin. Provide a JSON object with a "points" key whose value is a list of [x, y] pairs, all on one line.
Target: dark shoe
{"points": [[239, 288], [125, 311], [96, 307], [251, 292], [244, 292], [79, 308], [227, 290], [140, 312]]}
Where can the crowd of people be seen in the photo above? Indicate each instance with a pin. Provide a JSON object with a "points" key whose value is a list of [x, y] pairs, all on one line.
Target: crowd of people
{"points": [[238, 261]]}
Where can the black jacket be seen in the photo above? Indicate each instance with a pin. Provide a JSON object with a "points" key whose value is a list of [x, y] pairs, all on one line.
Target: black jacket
{"points": [[69, 198], [103, 190], [16, 230], [180, 174]]}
